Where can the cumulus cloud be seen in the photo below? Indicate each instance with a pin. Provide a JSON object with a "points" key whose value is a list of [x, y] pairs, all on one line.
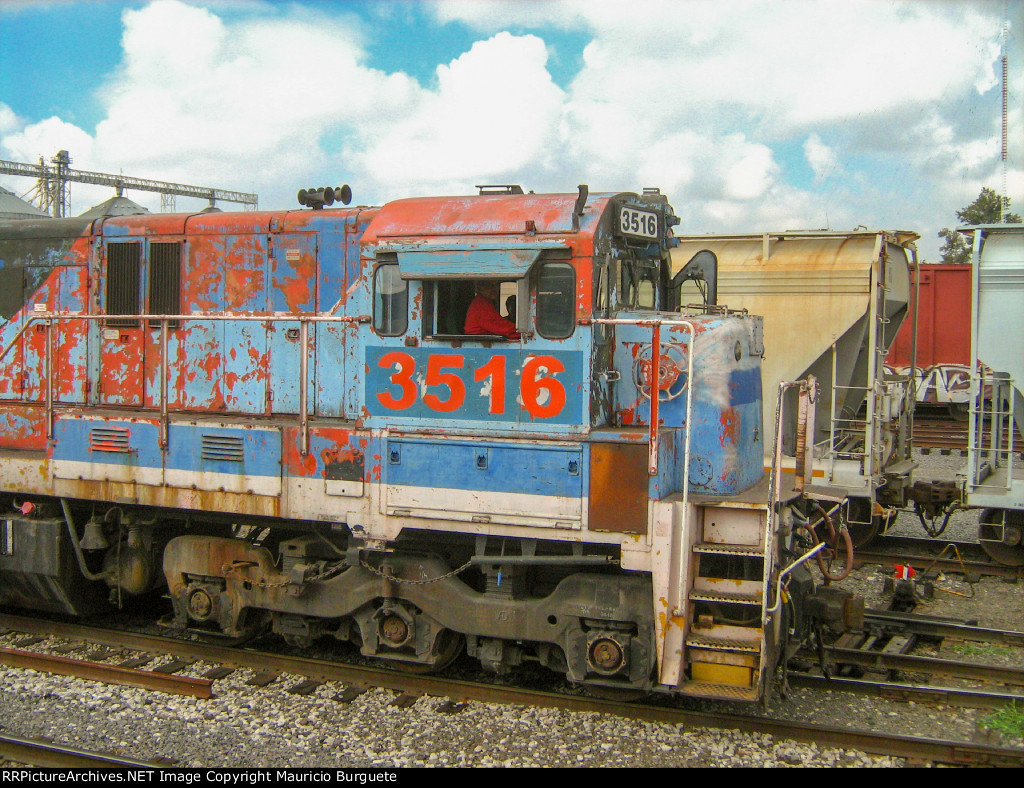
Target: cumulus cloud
{"points": [[822, 159], [670, 94], [895, 83], [193, 94], [494, 113], [44, 138], [8, 120]]}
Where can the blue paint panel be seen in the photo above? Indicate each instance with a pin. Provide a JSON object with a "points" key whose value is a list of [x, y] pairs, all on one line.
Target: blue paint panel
{"points": [[41, 287], [72, 442], [726, 447], [466, 263], [293, 290], [260, 450], [330, 369], [204, 273], [486, 467], [245, 387], [332, 266], [293, 283], [72, 289], [176, 368], [670, 465], [286, 369], [71, 336], [745, 386], [477, 399], [201, 364]]}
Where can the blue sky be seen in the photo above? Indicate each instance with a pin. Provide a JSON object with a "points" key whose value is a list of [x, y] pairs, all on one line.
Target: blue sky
{"points": [[751, 115]]}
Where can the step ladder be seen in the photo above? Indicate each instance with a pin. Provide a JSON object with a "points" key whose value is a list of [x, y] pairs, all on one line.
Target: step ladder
{"points": [[724, 646]]}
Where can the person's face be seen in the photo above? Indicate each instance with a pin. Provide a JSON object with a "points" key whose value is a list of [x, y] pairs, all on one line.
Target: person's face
{"points": [[489, 290]]}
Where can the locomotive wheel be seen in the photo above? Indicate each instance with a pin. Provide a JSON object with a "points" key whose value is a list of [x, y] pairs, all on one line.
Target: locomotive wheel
{"points": [[451, 644], [1002, 539]]}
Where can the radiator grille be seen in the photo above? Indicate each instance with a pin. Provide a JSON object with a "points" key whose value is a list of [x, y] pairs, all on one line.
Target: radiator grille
{"points": [[165, 280], [222, 447], [123, 260], [110, 439]]}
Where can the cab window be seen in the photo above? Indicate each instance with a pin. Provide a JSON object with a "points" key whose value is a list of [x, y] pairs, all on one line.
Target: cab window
{"points": [[556, 299], [639, 288], [446, 304], [390, 301]]}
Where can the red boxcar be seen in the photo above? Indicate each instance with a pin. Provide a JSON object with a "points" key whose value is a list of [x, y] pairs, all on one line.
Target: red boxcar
{"points": [[943, 319]]}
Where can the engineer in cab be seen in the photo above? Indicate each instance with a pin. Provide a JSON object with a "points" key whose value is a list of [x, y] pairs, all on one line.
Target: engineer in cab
{"points": [[483, 317]]}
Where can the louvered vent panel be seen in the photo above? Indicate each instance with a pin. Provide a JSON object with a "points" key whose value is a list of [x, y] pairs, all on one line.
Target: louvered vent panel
{"points": [[222, 447], [109, 439]]}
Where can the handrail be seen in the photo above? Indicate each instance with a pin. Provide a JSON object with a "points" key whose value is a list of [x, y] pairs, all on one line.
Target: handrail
{"points": [[655, 324], [50, 318]]}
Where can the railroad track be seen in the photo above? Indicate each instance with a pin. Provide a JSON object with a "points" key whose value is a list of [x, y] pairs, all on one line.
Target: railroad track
{"points": [[924, 554], [884, 648], [358, 678], [947, 435], [48, 755], [125, 675]]}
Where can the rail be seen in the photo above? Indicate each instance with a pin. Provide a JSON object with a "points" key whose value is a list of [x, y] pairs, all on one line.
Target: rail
{"points": [[48, 755], [949, 752], [50, 319], [108, 674]]}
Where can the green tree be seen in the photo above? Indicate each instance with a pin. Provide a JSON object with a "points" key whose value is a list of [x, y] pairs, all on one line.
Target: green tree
{"points": [[989, 208]]}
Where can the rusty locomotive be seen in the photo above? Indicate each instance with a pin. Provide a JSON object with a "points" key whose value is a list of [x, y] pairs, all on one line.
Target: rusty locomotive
{"points": [[278, 421]]}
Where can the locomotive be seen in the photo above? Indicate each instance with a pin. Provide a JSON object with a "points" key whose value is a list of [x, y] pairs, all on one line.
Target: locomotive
{"points": [[279, 421]]}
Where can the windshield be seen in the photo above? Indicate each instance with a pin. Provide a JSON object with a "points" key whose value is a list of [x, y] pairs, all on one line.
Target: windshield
{"points": [[640, 283]]}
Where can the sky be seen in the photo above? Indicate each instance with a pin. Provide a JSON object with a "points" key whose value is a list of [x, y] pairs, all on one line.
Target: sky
{"points": [[751, 115]]}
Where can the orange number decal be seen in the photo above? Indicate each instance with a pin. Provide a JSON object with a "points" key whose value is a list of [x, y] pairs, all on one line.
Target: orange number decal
{"points": [[402, 377], [435, 377], [495, 370], [543, 397]]}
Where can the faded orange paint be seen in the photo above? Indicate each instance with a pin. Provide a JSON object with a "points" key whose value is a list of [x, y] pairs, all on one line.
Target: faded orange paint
{"points": [[730, 425], [205, 270], [298, 290], [19, 426], [242, 280]]}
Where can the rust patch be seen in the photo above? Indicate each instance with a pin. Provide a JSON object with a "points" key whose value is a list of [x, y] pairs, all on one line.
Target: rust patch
{"points": [[730, 425], [298, 289]]}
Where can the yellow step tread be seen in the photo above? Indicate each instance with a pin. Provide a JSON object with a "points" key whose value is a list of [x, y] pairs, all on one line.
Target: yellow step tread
{"points": [[701, 689], [722, 644]]}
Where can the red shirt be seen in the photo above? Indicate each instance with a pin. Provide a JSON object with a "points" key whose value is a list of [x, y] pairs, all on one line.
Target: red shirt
{"points": [[482, 317]]}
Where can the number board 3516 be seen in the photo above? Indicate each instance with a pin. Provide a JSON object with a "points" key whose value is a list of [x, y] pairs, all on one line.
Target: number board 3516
{"points": [[636, 222]]}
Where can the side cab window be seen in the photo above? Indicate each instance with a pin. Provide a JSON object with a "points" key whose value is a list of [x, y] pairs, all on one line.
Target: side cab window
{"points": [[556, 300], [446, 304], [390, 301]]}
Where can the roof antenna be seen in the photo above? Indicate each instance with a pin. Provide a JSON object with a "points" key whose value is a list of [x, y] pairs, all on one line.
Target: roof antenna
{"points": [[1006, 196]]}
